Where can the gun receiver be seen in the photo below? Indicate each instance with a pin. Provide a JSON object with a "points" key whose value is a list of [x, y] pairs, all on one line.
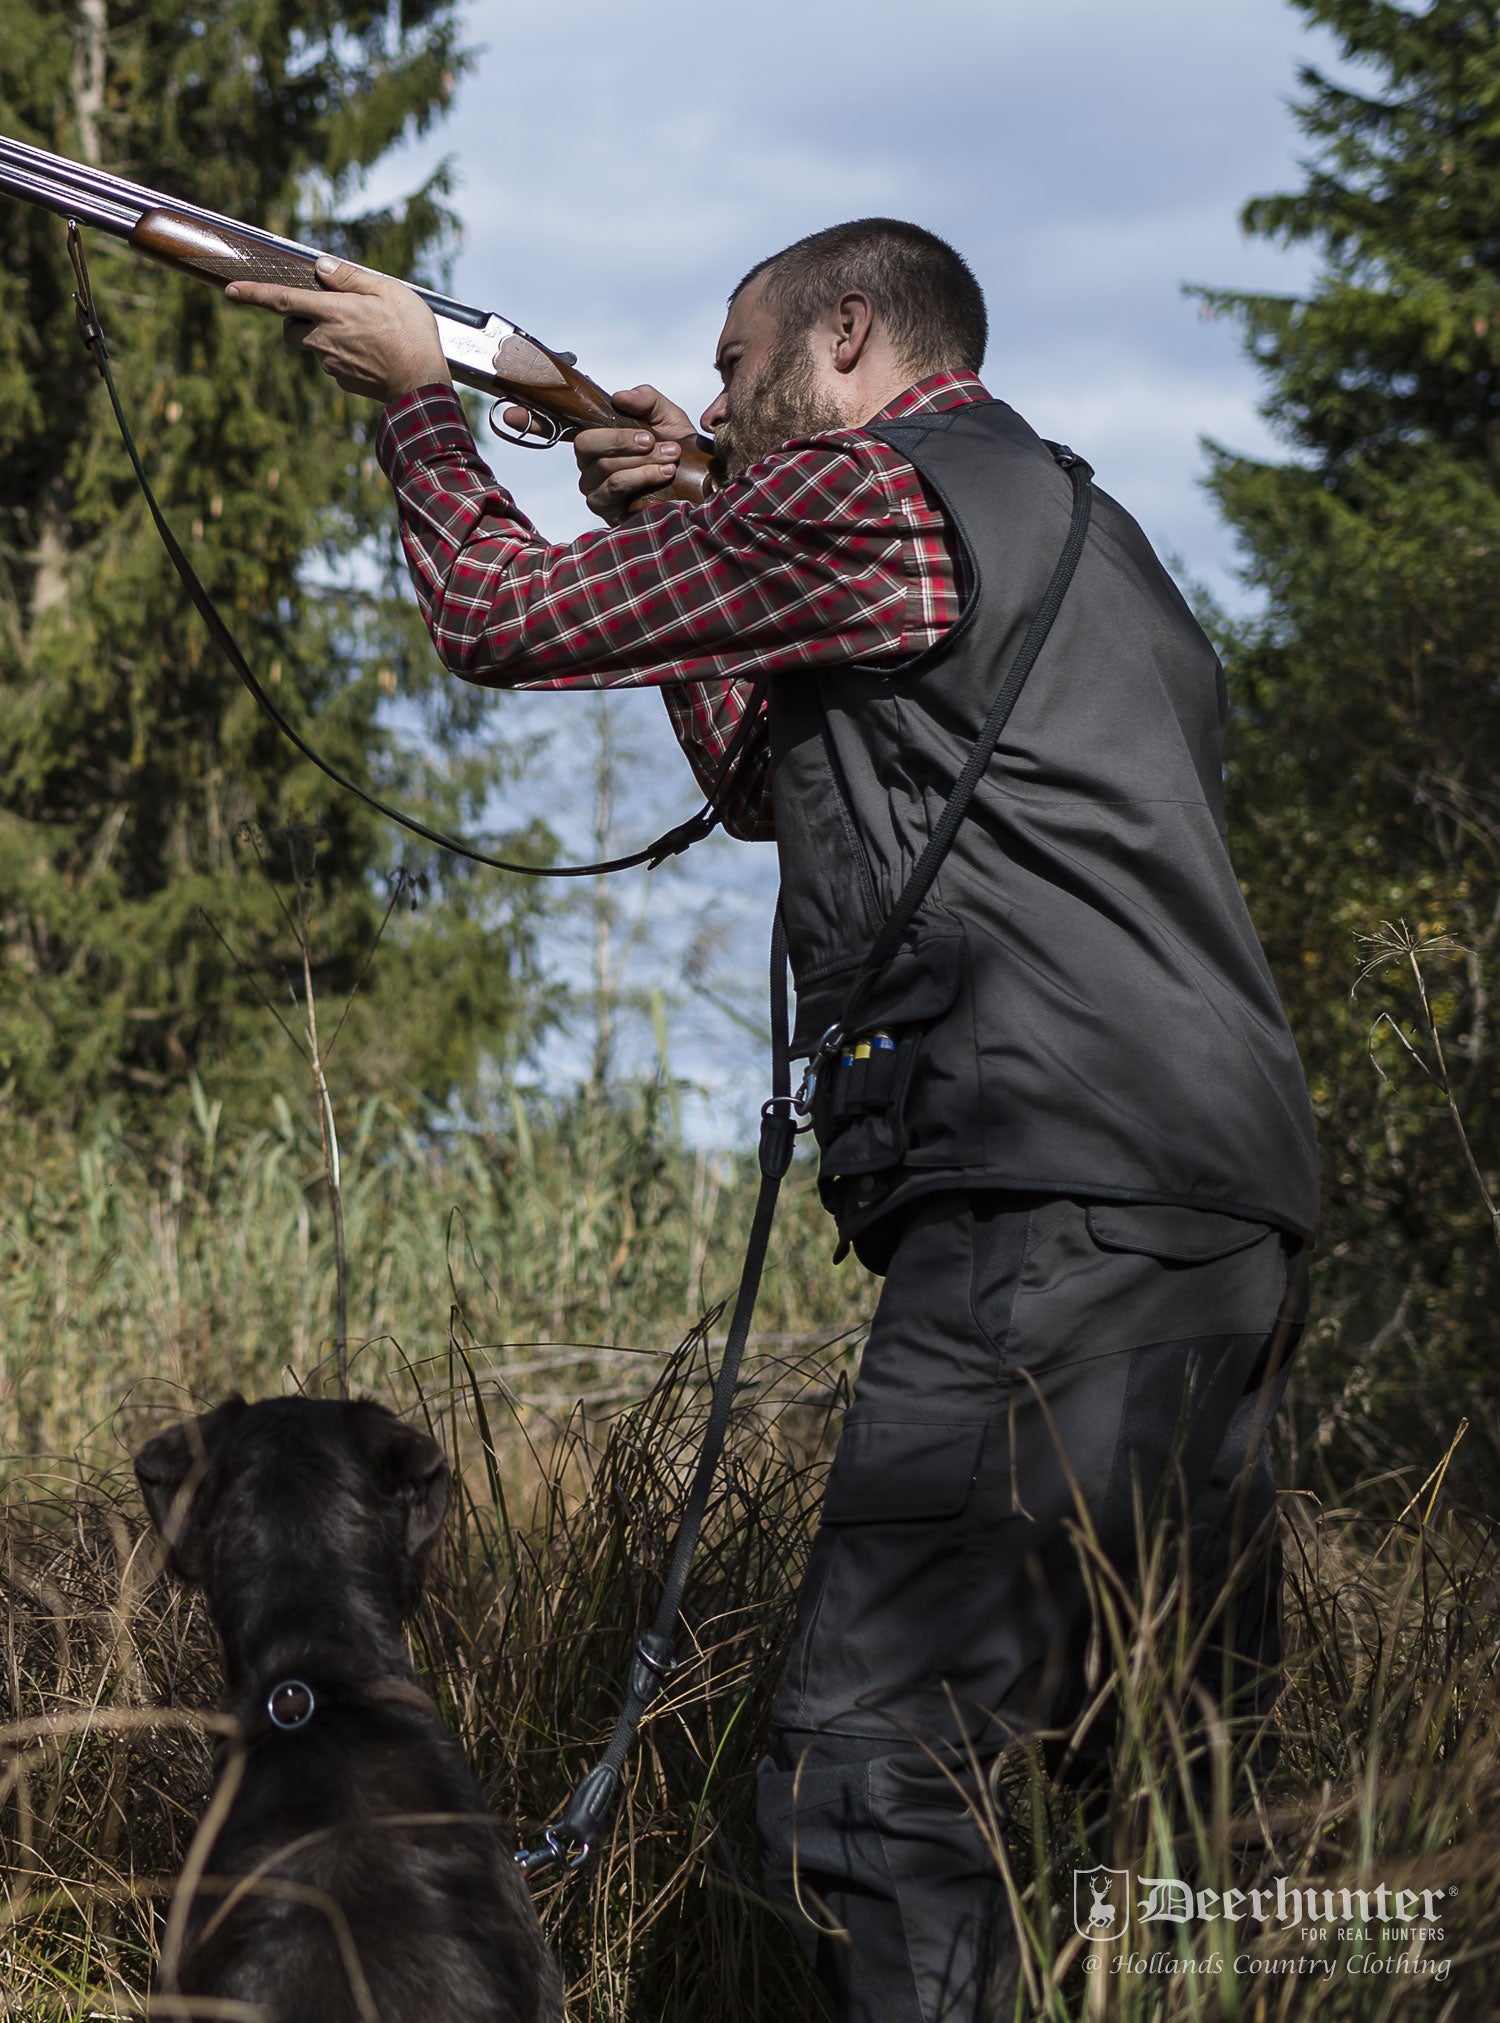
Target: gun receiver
{"points": [[483, 350]]}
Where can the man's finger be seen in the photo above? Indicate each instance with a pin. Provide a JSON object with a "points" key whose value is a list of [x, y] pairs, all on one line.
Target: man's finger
{"points": [[611, 499], [331, 277], [348, 279], [309, 303], [523, 422], [636, 399], [633, 460], [653, 408], [592, 444]]}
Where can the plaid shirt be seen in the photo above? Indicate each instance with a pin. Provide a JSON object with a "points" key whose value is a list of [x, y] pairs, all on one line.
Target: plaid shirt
{"points": [[827, 551]]}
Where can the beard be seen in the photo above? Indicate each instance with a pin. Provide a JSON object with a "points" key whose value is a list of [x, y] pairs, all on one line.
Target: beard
{"points": [[784, 401]]}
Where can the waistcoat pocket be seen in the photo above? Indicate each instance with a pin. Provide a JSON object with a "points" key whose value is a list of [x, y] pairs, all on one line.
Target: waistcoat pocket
{"points": [[860, 1100]]}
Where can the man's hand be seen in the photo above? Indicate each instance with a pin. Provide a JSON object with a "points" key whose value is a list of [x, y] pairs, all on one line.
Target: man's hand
{"points": [[373, 335], [620, 465]]}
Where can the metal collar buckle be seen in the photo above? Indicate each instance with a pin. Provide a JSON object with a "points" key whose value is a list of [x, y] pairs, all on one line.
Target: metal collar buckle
{"points": [[290, 1704]]}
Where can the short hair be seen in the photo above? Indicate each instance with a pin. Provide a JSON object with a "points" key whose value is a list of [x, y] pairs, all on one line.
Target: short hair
{"points": [[922, 290]]}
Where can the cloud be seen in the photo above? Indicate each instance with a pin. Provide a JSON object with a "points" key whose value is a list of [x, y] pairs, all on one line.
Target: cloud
{"points": [[621, 162]]}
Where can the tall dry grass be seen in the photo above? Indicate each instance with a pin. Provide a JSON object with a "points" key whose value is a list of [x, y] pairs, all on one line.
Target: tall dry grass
{"points": [[525, 1634], [526, 1290], [1388, 1769]]}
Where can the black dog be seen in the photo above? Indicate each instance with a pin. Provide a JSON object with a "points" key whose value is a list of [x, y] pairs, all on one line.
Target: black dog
{"points": [[357, 1871]]}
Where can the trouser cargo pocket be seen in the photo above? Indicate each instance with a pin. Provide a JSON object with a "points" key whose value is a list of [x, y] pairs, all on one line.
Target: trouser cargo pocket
{"points": [[880, 1579]]}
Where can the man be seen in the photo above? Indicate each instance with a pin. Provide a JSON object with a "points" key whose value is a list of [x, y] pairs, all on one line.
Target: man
{"points": [[1086, 1161]]}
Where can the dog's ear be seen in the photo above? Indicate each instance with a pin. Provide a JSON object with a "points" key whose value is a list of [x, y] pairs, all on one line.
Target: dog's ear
{"points": [[410, 1467], [172, 1470]]}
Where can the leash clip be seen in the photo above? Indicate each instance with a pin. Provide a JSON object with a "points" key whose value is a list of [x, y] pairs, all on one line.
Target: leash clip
{"points": [[779, 1131], [584, 1816], [554, 1849], [826, 1048]]}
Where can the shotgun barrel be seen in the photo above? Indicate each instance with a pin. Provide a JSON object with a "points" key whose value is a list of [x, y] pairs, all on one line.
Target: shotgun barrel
{"points": [[483, 350], [75, 190]]}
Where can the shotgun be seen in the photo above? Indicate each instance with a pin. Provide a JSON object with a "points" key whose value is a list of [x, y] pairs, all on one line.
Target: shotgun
{"points": [[483, 350]]}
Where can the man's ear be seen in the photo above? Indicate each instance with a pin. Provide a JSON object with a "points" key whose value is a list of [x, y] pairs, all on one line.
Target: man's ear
{"points": [[851, 323], [172, 1471], [411, 1468]]}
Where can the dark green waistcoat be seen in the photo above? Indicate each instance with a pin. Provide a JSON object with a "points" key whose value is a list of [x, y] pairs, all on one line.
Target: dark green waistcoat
{"points": [[1083, 1006]]}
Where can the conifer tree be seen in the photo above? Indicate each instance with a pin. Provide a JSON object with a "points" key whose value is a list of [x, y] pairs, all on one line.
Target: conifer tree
{"points": [[1367, 692], [130, 758]]}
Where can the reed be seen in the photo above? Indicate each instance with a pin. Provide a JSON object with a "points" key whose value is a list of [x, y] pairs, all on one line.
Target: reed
{"points": [[581, 1239]]}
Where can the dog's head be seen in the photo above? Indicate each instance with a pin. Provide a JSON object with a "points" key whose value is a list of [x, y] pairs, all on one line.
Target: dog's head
{"points": [[296, 1503]]}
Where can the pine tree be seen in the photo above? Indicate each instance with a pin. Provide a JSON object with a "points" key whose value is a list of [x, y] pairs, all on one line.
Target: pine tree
{"points": [[131, 762], [1367, 692]]}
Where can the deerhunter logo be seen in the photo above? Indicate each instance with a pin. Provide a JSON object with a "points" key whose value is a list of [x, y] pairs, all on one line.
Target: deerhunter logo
{"points": [[1101, 1902], [1104, 1898]]}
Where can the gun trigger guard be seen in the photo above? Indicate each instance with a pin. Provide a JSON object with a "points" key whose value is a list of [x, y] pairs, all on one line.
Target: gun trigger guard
{"points": [[522, 440]]}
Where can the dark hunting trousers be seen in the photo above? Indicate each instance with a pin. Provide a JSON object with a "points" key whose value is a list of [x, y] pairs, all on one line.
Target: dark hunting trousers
{"points": [[1027, 1352]]}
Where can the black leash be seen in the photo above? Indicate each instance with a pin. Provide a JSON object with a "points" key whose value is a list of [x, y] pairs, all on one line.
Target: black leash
{"points": [[575, 1832], [572, 1836], [671, 844]]}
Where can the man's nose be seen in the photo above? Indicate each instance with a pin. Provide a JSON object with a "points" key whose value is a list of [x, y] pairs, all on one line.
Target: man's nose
{"points": [[715, 413]]}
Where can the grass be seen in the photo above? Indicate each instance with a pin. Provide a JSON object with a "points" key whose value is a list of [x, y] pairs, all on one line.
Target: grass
{"points": [[1388, 1768], [563, 1262]]}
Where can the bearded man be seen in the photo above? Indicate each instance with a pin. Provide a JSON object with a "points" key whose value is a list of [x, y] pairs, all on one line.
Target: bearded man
{"points": [[1087, 1169]]}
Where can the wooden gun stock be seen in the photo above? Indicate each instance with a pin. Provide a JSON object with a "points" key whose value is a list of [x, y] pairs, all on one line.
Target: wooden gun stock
{"points": [[519, 369]]}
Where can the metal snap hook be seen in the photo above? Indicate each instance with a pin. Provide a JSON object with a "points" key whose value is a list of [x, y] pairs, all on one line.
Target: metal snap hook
{"points": [[826, 1048], [554, 1849]]}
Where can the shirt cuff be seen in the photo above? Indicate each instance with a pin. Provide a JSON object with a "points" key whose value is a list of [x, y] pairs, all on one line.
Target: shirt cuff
{"points": [[420, 427]]}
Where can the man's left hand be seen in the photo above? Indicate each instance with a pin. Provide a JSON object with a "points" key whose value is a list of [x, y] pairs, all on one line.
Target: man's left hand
{"points": [[372, 334]]}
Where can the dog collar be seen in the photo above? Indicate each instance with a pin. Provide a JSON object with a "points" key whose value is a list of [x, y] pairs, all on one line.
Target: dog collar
{"points": [[290, 1703]]}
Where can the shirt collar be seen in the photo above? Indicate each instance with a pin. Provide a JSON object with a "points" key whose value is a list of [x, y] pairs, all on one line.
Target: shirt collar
{"points": [[940, 390]]}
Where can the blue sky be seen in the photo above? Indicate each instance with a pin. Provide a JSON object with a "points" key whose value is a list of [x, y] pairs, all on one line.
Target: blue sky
{"points": [[618, 166]]}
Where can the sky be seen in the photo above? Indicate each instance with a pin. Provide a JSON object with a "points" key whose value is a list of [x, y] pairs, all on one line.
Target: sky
{"points": [[617, 167]]}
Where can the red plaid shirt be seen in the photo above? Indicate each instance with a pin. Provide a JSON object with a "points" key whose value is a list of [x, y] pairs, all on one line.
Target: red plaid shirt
{"points": [[827, 551]]}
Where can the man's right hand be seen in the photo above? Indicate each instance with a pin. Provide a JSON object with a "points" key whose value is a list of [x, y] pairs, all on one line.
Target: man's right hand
{"points": [[617, 466]]}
